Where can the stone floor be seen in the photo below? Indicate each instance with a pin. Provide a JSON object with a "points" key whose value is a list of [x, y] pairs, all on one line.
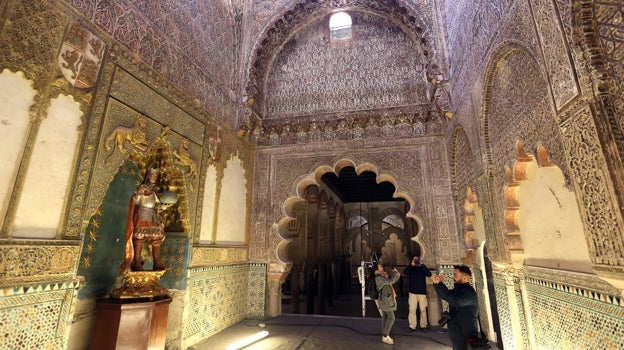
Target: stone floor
{"points": [[308, 332], [341, 327]]}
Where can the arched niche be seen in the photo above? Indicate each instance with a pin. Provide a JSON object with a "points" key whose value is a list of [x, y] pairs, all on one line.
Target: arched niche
{"points": [[543, 218]]}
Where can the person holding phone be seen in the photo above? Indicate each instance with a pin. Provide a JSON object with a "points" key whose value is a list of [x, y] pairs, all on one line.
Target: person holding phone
{"points": [[417, 273], [387, 299], [463, 306]]}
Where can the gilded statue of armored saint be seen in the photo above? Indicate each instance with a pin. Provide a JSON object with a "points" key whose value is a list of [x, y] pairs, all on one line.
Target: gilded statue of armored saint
{"points": [[145, 224]]}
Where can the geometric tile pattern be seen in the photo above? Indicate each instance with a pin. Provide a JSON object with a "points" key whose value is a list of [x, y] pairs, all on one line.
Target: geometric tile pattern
{"points": [[502, 303], [220, 296], [36, 317], [575, 318], [36, 261], [477, 278], [563, 315]]}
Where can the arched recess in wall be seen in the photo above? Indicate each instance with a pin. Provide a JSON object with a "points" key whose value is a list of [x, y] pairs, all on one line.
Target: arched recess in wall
{"points": [[463, 174], [315, 178], [542, 215], [516, 104], [17, 96]]}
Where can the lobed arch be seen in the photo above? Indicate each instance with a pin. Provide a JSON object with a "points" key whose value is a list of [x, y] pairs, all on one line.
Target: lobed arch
{"points": [[515, 176], [473, 227], [471, 202], [542, 216], [512, 201], [304, 12], [314, 178]]}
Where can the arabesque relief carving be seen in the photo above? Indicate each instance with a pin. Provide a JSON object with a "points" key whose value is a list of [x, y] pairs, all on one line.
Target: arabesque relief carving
{"points": [[33, 261], [183, 159], [602, 221], [563, 82], [415, 24], [272, 133]]}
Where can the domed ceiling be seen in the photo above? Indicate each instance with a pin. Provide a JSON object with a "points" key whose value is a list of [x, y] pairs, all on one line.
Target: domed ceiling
{"points": [[389, 65]]}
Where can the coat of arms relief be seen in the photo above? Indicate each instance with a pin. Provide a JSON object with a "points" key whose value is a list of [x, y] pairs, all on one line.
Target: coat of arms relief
{"points": [[81, 56]]}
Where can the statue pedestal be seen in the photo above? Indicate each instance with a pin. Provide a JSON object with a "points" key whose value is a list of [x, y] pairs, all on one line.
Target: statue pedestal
{"points": [[140, 285], [131, 325]]}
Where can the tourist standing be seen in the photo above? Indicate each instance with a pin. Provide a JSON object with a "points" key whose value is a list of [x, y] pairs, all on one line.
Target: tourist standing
{"points": [[417, 273]]}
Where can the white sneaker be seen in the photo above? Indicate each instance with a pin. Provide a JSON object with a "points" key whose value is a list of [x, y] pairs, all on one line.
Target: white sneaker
{"points": [[387, 340]]}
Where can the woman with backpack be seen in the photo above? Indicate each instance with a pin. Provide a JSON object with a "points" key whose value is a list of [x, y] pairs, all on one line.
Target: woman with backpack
{"points": [[387, 300]]}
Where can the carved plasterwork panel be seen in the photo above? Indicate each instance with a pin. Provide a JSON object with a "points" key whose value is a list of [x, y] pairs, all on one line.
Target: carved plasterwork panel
{"points": [[355, 126], [265, 10], [27, 261], [301, 13], [585, 161], [419, 167], [571, 278], [381, 67], [480, 20], [193, 44], [610, 26], [30, 43], [462, 163], [463, 174], [600, 30], [562, 77], [516, 106], [208, 256]]}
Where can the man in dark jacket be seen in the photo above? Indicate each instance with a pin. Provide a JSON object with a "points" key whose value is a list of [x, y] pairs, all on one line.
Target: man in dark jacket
{"points": [[417, 272], [463, 306]]}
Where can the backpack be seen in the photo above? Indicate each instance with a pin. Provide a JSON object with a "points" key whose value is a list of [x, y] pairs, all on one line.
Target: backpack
{"points": [[372, 290]]}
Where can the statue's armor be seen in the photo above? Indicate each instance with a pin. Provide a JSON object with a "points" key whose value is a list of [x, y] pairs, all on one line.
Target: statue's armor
{"points": [[147, 223]]}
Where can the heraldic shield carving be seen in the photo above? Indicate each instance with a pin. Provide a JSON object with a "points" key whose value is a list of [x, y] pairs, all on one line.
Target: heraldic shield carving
{"points": [[81, 56]]}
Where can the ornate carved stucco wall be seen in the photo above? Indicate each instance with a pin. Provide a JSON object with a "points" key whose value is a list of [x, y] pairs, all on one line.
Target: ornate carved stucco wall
{"points": [[417, 20], [417, 164], [574, 59], [551, 103], [380, 67], [194, 45], [127, 95]]}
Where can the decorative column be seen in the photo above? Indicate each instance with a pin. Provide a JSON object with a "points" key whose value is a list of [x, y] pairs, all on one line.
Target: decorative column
{"points": [[277, 274], [514, 312], [434, 304], [528, 320]]}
